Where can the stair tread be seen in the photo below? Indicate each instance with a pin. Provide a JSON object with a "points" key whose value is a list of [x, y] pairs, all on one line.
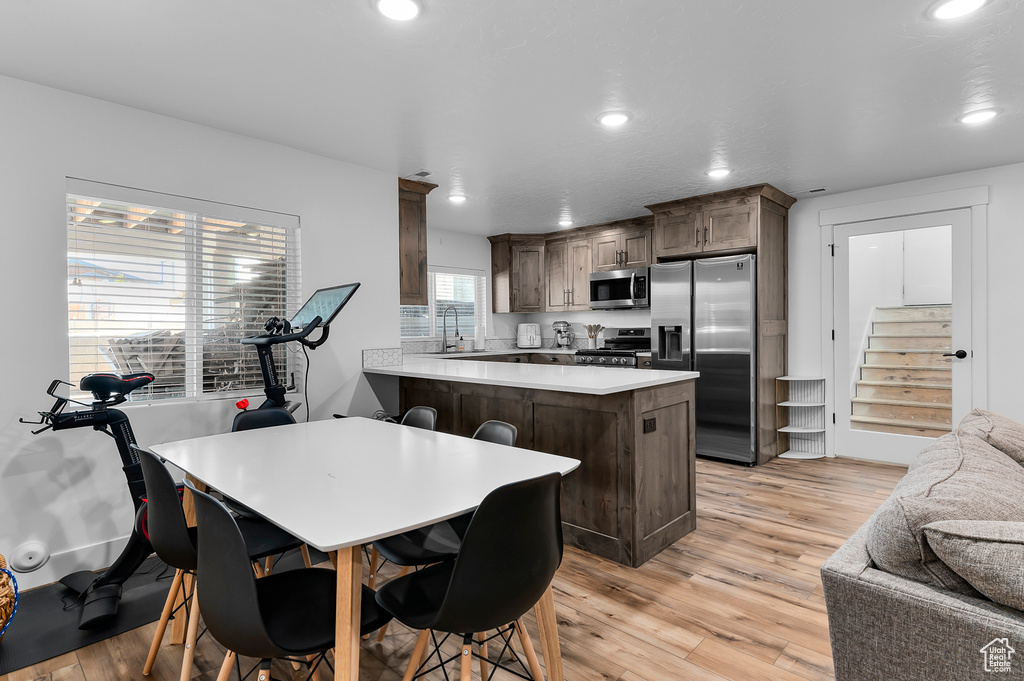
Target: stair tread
{"points": [[927, 425], [915, 307], [909, 335], [900, 366], [900, 403], [906, 384]]}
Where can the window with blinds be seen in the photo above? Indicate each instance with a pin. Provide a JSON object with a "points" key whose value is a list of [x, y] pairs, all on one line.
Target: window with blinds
{"points": [[170, 285], [465, 292]]}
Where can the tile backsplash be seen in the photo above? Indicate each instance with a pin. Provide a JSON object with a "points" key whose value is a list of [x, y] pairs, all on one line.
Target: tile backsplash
{"points": [[382, 357]]}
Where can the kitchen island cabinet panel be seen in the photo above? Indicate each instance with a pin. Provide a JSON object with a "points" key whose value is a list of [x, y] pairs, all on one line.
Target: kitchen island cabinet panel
{"points": [[590, 500], [633, 494]]}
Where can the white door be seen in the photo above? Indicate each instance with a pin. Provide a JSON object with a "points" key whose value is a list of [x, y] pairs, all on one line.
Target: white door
{"points": [[898, 379]]}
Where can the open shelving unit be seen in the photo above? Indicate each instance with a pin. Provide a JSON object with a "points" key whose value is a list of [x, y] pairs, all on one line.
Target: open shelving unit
{"points": [[800, 414]]}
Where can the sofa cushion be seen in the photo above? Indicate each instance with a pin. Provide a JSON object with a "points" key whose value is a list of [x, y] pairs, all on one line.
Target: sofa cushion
{"points": [[957, 477], [987, 553], [1004, 434]]}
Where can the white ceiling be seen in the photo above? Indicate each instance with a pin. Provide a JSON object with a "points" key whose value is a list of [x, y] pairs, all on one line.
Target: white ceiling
{"points": [[500, 99]]}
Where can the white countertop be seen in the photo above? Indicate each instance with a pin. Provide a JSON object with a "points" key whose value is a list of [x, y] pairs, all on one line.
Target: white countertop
{"points": [[559, 378]]}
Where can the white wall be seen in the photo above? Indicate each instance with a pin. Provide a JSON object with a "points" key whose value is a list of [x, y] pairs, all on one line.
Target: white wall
{"points": [[67, 489], [876, 280], [1003, 275]]}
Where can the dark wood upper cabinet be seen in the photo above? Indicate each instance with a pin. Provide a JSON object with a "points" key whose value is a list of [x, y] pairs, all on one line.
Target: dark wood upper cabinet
{"points": [[719, 223], [528, 276], [621, 249], [517, 273], [567, 267], [412, 241]]}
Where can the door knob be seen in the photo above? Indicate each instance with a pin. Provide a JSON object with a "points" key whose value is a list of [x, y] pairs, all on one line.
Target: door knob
{"points": [[959, 354]]}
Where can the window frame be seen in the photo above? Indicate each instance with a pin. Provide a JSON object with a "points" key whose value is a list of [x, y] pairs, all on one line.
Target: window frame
{"points": [[479, 304], [192, 385]]}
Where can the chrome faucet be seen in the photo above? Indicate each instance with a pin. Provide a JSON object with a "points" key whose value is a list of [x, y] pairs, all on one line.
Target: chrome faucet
{"points": [[444, 328]]}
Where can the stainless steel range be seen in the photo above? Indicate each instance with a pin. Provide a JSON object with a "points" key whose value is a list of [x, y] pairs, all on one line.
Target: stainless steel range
{"points": [[620, 348]]}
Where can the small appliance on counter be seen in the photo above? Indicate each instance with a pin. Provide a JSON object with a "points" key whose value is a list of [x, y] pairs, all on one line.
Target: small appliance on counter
{"points": [[620, 349], [528, 336], [563, 334]]}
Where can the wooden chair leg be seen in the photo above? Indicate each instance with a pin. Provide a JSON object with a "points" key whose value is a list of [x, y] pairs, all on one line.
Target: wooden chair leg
{"points": [[467, 659], [192, 637], [258, 569], [482, 638], [270, 565], [305, 556], [417, 655], [264, 674], [384, 629], [225, 669], [531, 655], [161, 627], [180, 624]]}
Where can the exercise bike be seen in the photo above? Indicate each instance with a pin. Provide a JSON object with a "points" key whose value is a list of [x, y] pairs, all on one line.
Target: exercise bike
{"points": [[317, 312], [101, 594]]}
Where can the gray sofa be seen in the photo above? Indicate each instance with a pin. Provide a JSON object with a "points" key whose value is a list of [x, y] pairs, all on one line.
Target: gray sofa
{"points": [[932, 585]]}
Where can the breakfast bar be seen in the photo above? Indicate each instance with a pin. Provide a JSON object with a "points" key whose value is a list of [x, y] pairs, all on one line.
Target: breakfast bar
{"points": [[632, 429]]}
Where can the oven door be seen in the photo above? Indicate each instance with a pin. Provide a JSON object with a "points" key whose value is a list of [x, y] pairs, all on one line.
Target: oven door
{"points": [[619, 289]]}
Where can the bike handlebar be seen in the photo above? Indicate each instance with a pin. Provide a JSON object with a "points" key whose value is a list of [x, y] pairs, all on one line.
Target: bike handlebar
{"points": [[278, 338]]}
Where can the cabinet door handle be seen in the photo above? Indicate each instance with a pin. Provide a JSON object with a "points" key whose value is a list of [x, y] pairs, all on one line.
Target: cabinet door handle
{"points": [[705, 236], [711, 221], [572, 296], [696, 237], [552, 359]]}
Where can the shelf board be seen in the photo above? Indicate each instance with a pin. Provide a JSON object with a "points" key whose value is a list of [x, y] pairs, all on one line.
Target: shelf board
{"points": [[800, 378], [801, 404], [800, 455], [799, 429]]}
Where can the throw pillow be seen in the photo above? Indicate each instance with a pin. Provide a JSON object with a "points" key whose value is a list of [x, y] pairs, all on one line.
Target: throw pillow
{"points": [[957, 477], [1001, 432], [988, 554]]}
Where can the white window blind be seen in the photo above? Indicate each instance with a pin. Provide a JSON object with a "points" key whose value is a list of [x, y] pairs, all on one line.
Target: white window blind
{"points": [[465, 291], [170, 285]]}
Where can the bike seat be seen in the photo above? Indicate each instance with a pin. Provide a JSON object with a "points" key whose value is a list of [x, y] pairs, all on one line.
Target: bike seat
{"points": [[103, 386]]}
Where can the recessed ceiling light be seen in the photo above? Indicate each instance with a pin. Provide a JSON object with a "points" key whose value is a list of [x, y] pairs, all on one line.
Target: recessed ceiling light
{"points": [[952, 9], [457, 198], [980, 116], [613, 119], [718, 173], [399, 10], [565, 223]]}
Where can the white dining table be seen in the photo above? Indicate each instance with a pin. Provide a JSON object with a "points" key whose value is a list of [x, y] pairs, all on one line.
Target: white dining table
{"points": [[339, 484]]}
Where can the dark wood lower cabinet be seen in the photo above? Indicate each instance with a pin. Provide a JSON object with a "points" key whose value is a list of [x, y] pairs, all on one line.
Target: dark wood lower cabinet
{"points": [[634, 493]]}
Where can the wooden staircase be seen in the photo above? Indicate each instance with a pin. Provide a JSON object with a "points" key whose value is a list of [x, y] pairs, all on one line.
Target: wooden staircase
{"points": [[905, 383]]}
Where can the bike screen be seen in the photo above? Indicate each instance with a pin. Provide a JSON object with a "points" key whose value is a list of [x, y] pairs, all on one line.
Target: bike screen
{"points": [[325, 303]]}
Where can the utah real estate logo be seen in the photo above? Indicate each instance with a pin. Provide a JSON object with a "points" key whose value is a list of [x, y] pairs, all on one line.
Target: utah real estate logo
{"points": [[997, 655]]}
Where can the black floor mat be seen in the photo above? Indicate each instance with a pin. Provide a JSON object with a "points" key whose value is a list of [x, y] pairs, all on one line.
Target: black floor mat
{"points": [[46, 626]]}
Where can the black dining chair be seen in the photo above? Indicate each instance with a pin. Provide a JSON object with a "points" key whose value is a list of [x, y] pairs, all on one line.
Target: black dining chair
{"points": [[287, 615], [261, 418], [175, 544], [438, 542], [420, 417], [510, 553]]}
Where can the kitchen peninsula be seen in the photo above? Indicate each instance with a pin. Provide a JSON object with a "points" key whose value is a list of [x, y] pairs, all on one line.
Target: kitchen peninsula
{"points": [[632, 429]]}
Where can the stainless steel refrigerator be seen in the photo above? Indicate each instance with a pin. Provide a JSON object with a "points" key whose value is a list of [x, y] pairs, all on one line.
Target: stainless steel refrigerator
{"points": [[703, 319]]}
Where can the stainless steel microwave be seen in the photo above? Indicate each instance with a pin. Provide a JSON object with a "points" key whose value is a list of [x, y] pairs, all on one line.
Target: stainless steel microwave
{"points": [[620, 289]]}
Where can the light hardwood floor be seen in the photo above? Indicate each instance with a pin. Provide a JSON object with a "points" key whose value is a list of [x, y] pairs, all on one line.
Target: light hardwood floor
{"points": [[740, 598]]}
